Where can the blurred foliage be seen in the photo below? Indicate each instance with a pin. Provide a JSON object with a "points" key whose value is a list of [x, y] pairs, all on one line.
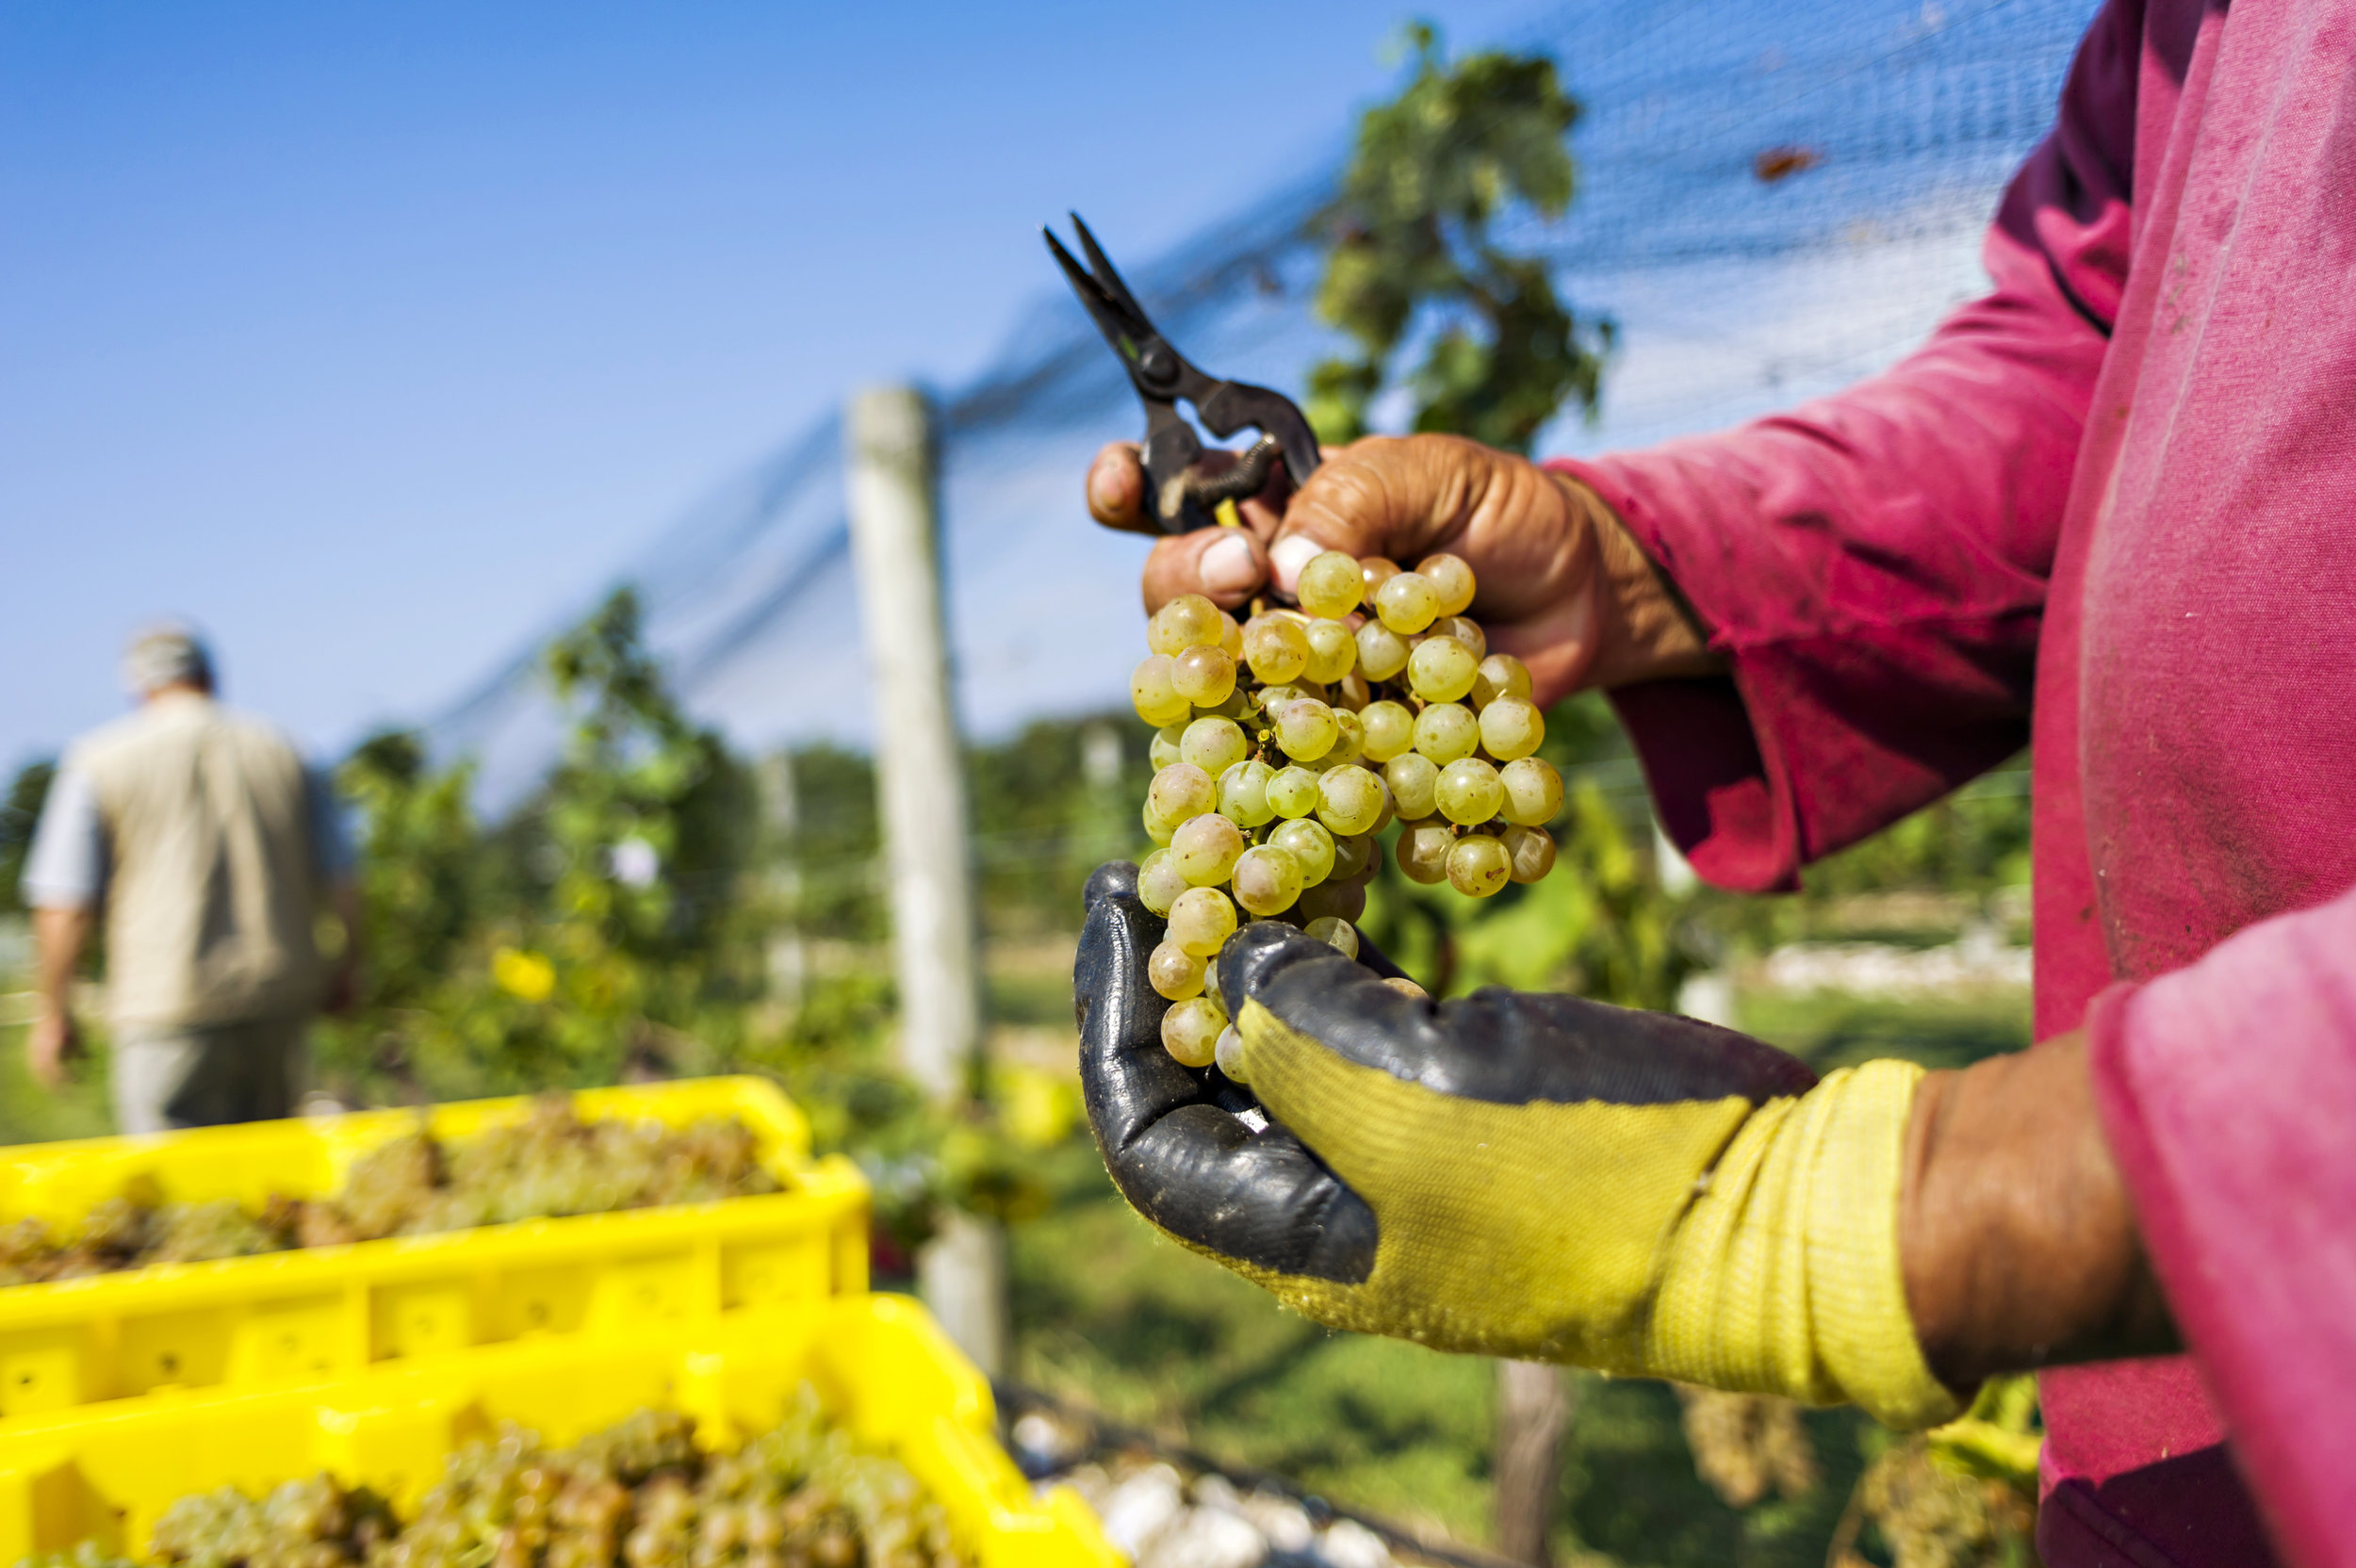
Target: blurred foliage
{"points": [[28, 792], [621, 922], [599, 932], [1412, 254], [1967, 855]]}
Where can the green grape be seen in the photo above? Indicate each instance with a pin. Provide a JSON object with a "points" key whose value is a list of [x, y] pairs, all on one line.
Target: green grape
{"points": [[1477, 866], [1389, 729], [1332, 899], [1204, 676], [1163, 749], [1441, 669], [1206, 848], [1202, 921], [1350, 741], [1333, 650], [1156, 828], [1214, 745], [1459, 629], [1512, 727], [1267, 880], [1243, 794], [1373, 571], [1354, 855], [1501, 676], [1311, 847], [1350, 799], [1227, 1051], [1533, 791], [1190, 1031], [1445, 731], [1407, 603], [1451, 580], [1468, 792], [1532, 852], [1293, 791], [1352, 691], [1423, 849], [1160, 881], [1236, 705], [1306, 728], [1156, 701], [1381, 652], [1188, 621], [1180, 792], [1174, 972], [1276, 648], [1329, 585], [1230, 637], [1337, 934], [1414, 780]]}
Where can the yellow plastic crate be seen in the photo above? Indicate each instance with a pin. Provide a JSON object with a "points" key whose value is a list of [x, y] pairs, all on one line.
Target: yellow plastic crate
{"points": [[879, 1363], [321, 1312]]}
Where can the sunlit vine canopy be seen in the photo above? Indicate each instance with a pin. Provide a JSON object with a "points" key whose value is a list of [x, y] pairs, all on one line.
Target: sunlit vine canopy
{"points": [[1772, 201]]}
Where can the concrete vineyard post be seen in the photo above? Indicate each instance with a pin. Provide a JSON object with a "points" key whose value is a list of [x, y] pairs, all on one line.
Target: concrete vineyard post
{"points": [[920, 788]]}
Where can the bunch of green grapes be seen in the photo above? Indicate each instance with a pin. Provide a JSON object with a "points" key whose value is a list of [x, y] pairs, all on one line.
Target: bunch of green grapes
{"points": [[1288, 743], [311, 1522], [550, 1164]]}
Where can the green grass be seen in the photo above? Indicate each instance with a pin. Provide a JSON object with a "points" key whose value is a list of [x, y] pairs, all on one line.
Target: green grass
{"points": [[30, 1114]]}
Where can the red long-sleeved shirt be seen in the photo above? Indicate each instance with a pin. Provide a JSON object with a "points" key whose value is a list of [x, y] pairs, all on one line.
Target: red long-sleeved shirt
{"points": [[2110, 509]]}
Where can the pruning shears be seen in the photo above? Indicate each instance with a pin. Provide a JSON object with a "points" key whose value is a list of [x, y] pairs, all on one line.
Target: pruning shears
{"points": [[1185, 494]]}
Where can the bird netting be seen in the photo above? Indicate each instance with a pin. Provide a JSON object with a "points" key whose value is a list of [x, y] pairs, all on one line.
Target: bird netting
{"points": [[1772, 202]]}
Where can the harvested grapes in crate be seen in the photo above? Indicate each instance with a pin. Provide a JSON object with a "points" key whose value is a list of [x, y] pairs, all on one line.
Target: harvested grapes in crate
{"points": [[640, 1494], [1288, 743], [550, 1165]]}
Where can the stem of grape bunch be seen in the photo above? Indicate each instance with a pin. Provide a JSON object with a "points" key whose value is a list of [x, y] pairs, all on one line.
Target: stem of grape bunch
{"points": [[1286, 744]]}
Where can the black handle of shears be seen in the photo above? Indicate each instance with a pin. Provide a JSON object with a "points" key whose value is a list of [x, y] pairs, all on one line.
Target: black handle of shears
{"points": [[1184, 497]]}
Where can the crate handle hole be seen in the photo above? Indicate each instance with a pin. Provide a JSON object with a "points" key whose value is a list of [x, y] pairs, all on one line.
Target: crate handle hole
{"points": [[170, 1364]]}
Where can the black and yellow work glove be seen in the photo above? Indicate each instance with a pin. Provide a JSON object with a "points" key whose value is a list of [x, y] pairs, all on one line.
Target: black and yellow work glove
{"points": [[1540, 1177]]}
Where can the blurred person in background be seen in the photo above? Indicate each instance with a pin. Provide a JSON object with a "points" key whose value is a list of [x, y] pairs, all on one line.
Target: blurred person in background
{"points": [[213, 851], [2106, 513]]}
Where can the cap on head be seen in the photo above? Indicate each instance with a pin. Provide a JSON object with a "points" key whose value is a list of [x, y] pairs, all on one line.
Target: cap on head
{"points": [[168, 654]]}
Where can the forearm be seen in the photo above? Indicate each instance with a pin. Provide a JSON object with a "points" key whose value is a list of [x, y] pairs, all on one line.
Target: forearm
{"points": [[1648, 630], [2016, 1239], [60, 935]]}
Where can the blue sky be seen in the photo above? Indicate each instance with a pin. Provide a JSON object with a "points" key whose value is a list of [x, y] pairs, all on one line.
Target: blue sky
{"points": [[372, 336]]}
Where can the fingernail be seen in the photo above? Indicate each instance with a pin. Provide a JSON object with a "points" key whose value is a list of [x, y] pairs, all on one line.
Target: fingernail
{"points": [[1288, 555], [1228, 566]]}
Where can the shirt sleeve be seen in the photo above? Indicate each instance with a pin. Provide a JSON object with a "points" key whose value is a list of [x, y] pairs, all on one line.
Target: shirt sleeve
{"points": [[331, 835], [1874, 565], [65, 867], [2244, 1182]]}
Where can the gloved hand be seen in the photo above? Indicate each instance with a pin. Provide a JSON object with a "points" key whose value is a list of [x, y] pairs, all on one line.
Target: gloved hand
{"points": [[1539, 1177]]}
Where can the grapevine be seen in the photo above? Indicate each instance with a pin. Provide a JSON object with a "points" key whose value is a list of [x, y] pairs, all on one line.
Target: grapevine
{"points": [[640, 1494], [550, 1165], [1288, 743]]}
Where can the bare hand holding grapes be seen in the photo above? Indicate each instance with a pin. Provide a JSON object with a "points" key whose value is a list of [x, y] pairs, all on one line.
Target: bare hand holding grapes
{"points": [[1563, 585]]}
